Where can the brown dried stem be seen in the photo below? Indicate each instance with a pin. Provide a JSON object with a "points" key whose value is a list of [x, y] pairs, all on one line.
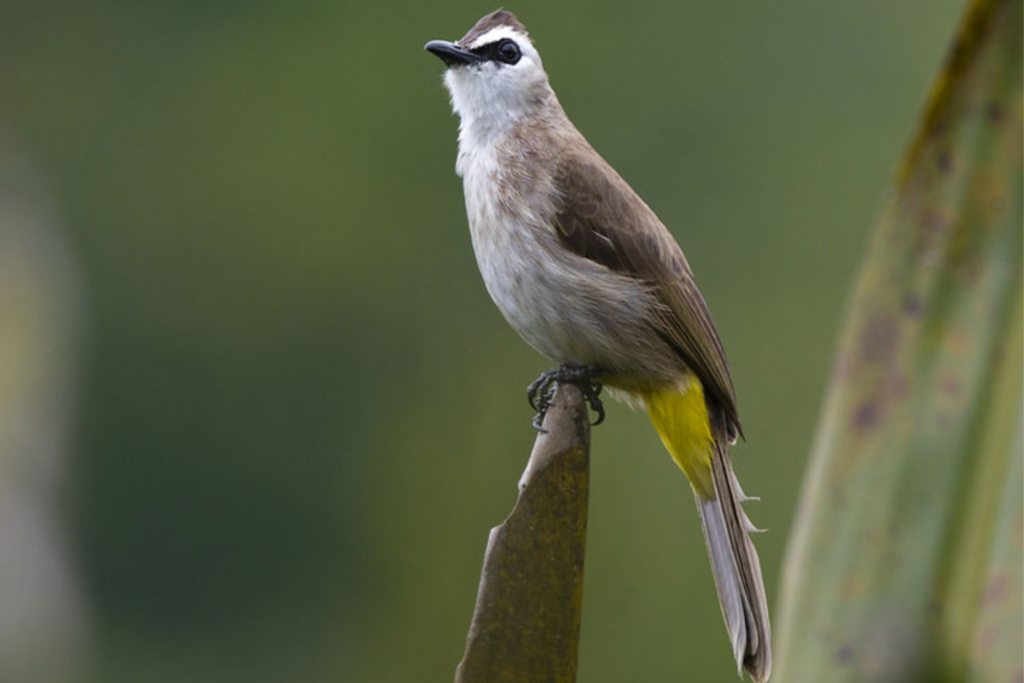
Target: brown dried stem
{"points": [[526, 624]]}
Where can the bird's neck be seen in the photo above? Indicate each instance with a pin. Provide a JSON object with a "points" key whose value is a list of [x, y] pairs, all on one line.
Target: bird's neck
{"points": [[480, 132]]}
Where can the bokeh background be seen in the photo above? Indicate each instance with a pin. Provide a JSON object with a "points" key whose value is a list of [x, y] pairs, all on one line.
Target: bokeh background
{"points": [[257, 413]]}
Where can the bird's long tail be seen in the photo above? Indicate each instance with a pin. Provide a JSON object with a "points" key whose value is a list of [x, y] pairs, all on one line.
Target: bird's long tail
{"points": [[701, 449]]}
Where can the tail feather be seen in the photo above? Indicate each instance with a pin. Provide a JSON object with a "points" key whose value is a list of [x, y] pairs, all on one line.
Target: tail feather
{"points": [[736, 568], [699, 443]]}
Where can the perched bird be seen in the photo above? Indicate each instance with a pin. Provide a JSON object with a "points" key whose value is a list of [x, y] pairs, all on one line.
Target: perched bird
{"points": [[586, 273]]}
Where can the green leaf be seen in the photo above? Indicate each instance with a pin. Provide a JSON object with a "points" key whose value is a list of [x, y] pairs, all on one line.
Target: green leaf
{"points": [[905, 560]]}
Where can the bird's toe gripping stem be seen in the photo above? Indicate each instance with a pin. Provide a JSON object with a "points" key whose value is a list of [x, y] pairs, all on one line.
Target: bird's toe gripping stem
{"points": [[542, 390]]}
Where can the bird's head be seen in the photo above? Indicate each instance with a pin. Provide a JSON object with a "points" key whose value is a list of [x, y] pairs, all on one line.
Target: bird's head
{"points": [[494, 73]]}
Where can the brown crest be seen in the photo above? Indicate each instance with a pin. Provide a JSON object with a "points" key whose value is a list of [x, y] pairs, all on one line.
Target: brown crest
{"points": [[493, 20]]}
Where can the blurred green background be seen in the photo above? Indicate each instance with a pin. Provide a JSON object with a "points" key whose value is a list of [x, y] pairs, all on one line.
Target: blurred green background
{"points": [[257, 412]]}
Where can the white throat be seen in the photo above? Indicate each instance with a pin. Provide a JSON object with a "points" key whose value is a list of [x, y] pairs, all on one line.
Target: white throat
{"points": [[485, 113]]}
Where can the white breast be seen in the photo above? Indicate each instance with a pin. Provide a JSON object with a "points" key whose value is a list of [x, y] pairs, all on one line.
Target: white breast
{"points": [[568, 308]]}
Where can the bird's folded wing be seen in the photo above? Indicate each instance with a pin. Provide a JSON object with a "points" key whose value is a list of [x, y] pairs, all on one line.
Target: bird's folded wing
{"points": [[600, 218]]}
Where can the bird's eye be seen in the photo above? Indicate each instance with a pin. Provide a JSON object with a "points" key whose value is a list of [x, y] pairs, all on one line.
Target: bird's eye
{"points": [[508, 51]]}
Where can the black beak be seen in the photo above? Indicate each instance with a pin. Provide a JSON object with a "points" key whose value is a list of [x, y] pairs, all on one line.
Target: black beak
{"points": [[450, 53]]}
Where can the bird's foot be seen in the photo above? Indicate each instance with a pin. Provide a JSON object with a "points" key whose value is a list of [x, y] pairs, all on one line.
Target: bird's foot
{"points": [[542, 390]]}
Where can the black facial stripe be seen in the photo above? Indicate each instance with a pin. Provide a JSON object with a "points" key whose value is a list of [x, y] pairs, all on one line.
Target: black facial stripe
{"points": [[505, 51]]}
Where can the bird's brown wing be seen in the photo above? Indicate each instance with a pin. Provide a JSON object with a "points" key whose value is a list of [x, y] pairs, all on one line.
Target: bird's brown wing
{"points": [[602, 219]]}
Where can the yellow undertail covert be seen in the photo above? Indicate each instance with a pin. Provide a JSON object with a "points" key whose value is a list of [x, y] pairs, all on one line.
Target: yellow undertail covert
{"points": [[680, 415]]}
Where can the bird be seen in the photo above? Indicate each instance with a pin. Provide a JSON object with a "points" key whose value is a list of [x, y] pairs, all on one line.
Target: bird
{"points": [[589, 276]]}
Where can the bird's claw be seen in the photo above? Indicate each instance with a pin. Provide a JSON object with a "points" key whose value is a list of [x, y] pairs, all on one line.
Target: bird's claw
{"points": [[542, 390], [591, 392]]}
